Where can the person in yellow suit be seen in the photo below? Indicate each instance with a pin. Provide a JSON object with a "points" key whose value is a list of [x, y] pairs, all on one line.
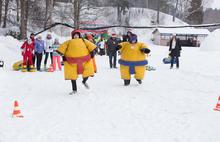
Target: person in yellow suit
{"points": [[77, 56], [133, 59]]}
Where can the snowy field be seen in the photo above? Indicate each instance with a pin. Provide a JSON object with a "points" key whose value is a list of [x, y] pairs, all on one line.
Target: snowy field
{"points": [[170, 106]]}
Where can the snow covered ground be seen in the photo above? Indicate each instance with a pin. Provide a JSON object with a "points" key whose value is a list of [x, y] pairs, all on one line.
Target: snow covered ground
{"points": [[170, 106]]}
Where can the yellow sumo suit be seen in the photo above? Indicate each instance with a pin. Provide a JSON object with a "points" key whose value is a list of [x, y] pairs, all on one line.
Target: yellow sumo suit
{"points": [[78, 59], [133, 60]]}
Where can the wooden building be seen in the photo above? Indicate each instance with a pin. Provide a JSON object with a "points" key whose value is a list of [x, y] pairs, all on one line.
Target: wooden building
{"points": [[188, 36]]}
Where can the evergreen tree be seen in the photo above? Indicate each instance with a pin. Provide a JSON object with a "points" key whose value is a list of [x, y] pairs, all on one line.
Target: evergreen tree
{"points": [[195, 12]]}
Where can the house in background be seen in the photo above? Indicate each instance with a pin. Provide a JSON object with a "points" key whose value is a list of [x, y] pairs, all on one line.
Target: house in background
{"points": [[188, 36]]}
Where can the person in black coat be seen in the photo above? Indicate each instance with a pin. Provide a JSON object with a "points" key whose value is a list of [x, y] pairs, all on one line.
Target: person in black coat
{"points": [[125, 38], [112, 45], [175, 48]]}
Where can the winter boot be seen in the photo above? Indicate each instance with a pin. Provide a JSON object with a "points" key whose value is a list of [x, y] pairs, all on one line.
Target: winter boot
{"points": [[126, 82], [86, 85], [32, 69], [139, 81], [73, 92], [1, 64], [84, 82], [24, 68]]}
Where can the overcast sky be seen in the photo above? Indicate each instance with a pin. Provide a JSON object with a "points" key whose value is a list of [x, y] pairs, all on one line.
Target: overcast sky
{"points": [[216, 4]]}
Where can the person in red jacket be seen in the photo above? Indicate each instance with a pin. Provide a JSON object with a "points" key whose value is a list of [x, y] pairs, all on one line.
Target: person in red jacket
{"points": [[27, 52]]}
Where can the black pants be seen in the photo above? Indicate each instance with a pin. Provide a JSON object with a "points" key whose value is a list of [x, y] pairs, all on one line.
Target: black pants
{"points": [[172, 61], [74, 85], [46, 57], [101, 51], [39, 59], [33, 58], [112, 56]]}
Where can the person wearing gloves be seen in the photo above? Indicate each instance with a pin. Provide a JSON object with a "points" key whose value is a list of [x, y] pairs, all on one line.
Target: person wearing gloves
{"points": [[27, 52], [48, 50], [77, 55], [133, 59]]}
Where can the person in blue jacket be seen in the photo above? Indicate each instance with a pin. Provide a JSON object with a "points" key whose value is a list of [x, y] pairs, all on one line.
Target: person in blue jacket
{"points": [[39, 50]]}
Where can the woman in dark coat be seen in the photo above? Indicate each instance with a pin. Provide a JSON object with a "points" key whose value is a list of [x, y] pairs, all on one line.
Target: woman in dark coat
{"points": [[175, 48]]}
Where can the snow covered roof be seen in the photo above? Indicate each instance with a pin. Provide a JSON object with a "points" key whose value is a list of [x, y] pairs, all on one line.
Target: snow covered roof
{"points": [[185, 31]]}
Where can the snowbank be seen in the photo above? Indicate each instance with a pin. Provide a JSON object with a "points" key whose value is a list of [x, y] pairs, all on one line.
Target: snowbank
{"points": [[9, 50], [212, 42]]}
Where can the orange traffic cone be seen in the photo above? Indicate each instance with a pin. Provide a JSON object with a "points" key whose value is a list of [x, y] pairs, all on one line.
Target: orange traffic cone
{"points": [[218, 105], [16, 112]]}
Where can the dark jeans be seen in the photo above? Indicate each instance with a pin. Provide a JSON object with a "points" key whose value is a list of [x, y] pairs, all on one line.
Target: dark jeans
{"points": [[34, 57], [172, 61], [74, 85], [112, 56], [39, 59], [46, 57]]}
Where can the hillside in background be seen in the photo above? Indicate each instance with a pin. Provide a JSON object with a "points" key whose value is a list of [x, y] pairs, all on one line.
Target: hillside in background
{"points": [[135, 17]]}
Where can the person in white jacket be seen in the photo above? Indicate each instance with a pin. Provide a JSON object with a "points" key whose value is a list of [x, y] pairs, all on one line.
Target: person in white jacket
{"points": [[48, 49]]}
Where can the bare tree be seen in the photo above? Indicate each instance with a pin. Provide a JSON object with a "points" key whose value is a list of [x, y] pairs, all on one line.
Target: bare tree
{"points": [[76, 5], [175, 10], [48, 12], [158, 11], [6, 14], [24, 18], [17, 9], [183, 8], [1, 1], [84, 10]]}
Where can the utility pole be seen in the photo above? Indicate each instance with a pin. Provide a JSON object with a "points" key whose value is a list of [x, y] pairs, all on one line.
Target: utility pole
{"points": [[158, 12]]}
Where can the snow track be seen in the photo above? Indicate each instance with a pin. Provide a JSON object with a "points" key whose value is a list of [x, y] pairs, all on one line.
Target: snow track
{"points": [[171, 105]]}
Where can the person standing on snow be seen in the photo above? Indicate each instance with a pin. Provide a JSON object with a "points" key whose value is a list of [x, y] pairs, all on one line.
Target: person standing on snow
{"points": [[102, 46], [27, 52], [112, 45], [127, 36], [133, 59], [90, 38], [56, 56], [77, 55], [175, 48], [48, 50], [32, 35], [39, 49]]}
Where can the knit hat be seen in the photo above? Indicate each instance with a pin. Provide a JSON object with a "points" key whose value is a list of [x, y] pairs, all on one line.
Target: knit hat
{"points": [[76, 31], [114, 35], [132, 38]]}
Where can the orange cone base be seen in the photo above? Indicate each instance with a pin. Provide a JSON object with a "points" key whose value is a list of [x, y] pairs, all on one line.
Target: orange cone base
{"points": [[19, 116], [216, 109]]}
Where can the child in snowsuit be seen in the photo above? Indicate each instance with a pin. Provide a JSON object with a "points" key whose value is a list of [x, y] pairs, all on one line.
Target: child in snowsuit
{"points": [[27, 52], [56, 56]]}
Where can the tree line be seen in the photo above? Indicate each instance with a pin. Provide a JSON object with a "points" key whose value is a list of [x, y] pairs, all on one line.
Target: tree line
{"points": [[42, 13]]}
